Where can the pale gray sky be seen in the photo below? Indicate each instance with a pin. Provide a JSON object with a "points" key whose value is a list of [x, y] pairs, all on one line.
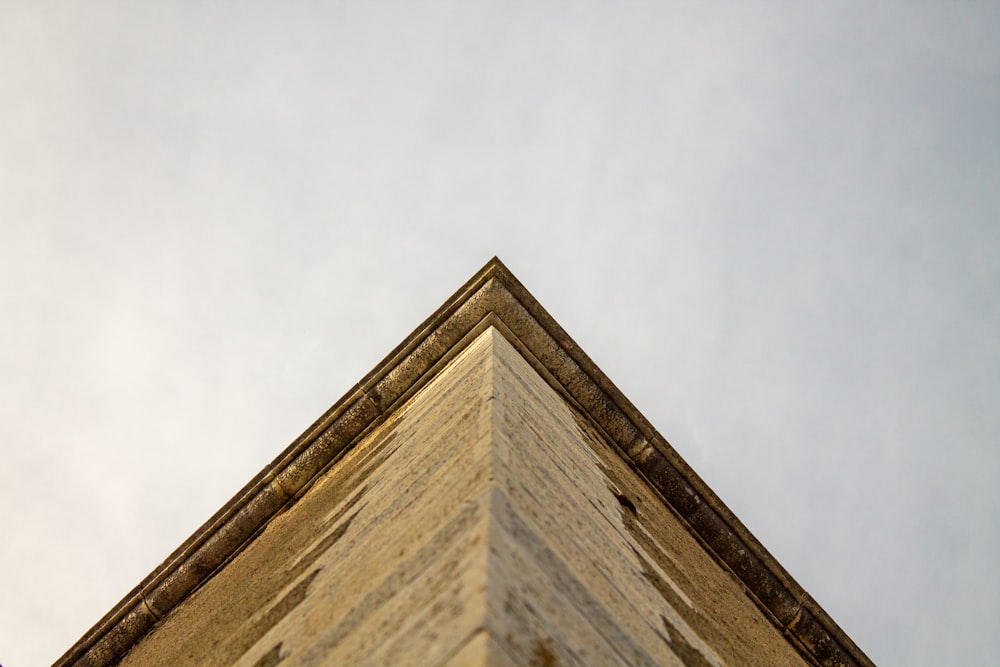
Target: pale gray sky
{"points": [[773, 225]]}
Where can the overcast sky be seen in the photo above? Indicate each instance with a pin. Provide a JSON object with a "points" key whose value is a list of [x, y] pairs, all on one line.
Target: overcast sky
{"points": [[774, 226]]}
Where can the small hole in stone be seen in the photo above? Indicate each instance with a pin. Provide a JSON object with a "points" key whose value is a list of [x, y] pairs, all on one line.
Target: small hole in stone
{"points": [[626, 504]]}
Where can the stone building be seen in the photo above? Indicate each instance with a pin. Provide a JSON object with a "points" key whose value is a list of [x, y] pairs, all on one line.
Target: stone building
{"points": [[485, 496]]}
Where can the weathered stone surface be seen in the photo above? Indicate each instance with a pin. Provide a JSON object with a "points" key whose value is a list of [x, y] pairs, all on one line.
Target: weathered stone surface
{"points": [[481, 420], [607, 543], [485, 523]]}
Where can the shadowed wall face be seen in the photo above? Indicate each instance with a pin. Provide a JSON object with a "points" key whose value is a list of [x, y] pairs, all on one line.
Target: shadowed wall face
{"points": [[484, 523]]}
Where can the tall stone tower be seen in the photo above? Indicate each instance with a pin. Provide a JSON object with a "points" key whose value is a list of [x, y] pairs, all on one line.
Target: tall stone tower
{"points": [[485, 496]]}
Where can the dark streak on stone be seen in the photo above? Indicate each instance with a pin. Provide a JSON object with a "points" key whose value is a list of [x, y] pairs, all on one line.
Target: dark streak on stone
{"points": [[626, 504], [245, 639], [309, 558], [350, 503], [542, 655], [271, 658], [648, 545], [707, 631], [377, 455], [665, 590], [689, 655]]}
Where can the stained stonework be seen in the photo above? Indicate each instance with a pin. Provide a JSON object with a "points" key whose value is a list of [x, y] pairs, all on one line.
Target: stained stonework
{"points": [[486, 523], [484, 496]]}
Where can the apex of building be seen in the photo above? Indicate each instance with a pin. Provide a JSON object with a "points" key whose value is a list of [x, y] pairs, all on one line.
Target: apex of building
{"points": [[485, 495]]}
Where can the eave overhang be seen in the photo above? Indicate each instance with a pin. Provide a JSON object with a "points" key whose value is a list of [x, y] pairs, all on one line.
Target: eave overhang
{"points": [[493, 297]]}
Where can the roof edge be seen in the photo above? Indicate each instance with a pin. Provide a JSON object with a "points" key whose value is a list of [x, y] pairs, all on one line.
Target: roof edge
{"points": [[492, 297]]}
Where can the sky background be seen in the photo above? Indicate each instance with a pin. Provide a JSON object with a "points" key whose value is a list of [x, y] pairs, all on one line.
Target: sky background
{"points": [[774, 226]]}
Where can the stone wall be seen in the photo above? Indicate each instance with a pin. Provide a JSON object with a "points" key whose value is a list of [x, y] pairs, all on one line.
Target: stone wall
{"points": [[485, 522]]}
